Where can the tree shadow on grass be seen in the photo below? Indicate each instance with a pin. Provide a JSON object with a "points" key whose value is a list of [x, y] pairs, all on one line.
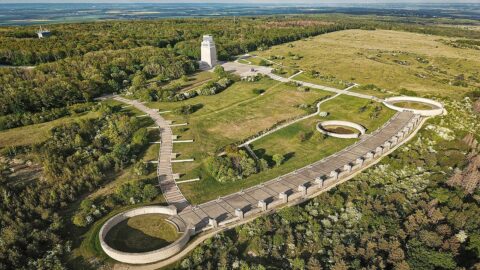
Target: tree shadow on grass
{"points": [[262, 153], [288, 156], [125, 238]]}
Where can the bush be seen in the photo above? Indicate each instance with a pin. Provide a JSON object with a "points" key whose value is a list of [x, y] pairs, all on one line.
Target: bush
{"points": [[474, 95], [141, 168], [279, 159], [264, 63], [188, 109], [257, 91], [407, 92], [212, 88]]}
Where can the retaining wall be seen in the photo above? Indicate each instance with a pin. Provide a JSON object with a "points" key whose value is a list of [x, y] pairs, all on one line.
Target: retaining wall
{"points": [[144, 257], [437, 106], [361, 130]]}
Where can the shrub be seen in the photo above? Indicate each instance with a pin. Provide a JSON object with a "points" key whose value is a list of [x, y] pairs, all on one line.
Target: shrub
{"points": [[407, 92], [264, 63], [188, 109], [279, 159], [257, 91]]}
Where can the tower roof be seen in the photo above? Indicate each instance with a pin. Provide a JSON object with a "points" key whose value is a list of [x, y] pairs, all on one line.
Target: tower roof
{"points": [[208, 38]]}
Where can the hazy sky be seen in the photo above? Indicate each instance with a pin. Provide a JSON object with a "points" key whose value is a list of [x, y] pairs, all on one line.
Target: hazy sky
{"points": [[244, 1]]}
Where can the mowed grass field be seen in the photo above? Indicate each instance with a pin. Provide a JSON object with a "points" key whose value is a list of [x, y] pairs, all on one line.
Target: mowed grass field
{"points": [[392, 60]]}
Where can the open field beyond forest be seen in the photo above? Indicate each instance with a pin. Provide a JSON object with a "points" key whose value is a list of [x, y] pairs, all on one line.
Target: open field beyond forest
{"points": [[392, 60]]}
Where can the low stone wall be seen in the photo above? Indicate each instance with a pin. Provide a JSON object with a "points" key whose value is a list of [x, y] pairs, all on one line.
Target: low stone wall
{"points": [[437, 107], [361, 130], [144, 257]]}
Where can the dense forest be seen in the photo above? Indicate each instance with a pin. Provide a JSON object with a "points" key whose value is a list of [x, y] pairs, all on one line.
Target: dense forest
{"points": [[75, 160], [417, 210], [19, 46], [82, 78]]}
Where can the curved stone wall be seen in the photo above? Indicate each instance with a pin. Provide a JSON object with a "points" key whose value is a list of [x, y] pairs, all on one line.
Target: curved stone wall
{"points": [[437, 107], [144, 257], [361, 130]]}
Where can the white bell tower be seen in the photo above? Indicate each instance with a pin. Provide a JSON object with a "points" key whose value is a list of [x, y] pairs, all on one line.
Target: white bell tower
{"points": [[209, 52]]}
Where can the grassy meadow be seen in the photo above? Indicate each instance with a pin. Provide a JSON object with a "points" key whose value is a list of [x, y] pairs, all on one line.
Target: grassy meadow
{"points": [[232, 116], [391, 60], [37, 133], [299, 143]]}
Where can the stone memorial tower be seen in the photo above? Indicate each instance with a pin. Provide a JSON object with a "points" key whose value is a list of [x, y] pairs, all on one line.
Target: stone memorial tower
{"points": [[209, 52]]}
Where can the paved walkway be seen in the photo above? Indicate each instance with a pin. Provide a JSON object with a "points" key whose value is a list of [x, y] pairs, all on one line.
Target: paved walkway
{"points": [[244, 70], [167, 184], [295, 120]]}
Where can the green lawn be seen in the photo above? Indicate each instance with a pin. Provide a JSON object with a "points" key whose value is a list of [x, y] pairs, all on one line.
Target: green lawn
{"points": [[357, 110], [33, 134], [231, 116], [142, 233], [331, 81], [413, 105]]}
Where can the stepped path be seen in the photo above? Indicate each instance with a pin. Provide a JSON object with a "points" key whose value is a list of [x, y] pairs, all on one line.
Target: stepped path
{"points": [[166, 181]]}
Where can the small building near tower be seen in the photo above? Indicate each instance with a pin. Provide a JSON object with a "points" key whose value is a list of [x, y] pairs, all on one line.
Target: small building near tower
{"points": [[43, 33], [209, 52]]}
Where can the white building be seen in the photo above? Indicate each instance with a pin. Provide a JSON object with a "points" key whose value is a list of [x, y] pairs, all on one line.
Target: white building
{"points": [[209, 52], [42, 33]]}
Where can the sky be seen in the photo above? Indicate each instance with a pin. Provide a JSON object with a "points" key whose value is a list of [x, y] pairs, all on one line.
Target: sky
{"points": [[244, 1]]}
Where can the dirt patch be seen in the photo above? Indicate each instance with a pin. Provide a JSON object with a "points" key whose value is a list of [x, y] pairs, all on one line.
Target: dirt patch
{"points": [[18, 171], [476, 106]]}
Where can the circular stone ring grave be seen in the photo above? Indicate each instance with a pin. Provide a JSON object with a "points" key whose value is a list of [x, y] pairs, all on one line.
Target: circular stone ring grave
{"points": [[417, 105], [341, 129], [150, 256]]}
